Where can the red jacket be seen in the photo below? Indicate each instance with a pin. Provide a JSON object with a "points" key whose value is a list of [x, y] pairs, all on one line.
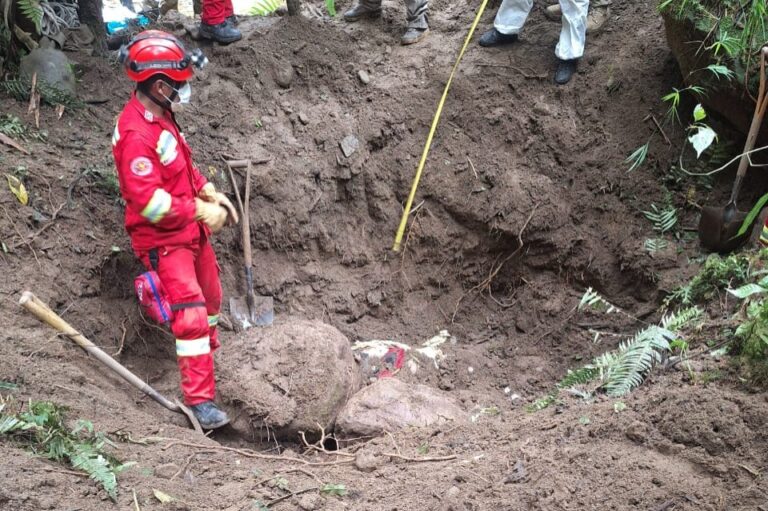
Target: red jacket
{"points": [[158, 180]]}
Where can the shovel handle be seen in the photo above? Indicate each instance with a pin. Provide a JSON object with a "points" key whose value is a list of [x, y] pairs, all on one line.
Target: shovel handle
{"points": [[757, 119], [44, 313], [247, 223]]}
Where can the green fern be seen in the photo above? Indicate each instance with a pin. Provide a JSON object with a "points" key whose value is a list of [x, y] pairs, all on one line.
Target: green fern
{"points": [[33, 11], [663, 219], [20, 89], [42, 429], [622, 370], [655, 245], [594, 300]]}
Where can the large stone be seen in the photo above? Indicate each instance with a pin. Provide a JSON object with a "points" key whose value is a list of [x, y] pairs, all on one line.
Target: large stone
{"points": [[390, 405], [287, 378], [51, 67]]}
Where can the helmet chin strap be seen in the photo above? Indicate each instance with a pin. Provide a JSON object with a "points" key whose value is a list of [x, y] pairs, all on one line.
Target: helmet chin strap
{"points": [[164, 103]]}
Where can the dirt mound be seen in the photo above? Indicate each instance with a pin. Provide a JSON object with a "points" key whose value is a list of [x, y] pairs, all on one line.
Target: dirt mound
{"points": [[287, 378]]}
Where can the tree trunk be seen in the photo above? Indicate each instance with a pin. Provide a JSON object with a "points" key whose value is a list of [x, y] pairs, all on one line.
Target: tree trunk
{"points": [[294, 7], [90, 14]]}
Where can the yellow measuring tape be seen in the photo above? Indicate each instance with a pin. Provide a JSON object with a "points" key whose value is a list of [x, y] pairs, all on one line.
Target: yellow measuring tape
{"points": [[435, 121]]}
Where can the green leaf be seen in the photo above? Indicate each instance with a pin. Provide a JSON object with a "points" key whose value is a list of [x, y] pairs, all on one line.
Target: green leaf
{"points": [[720, 71], [6, 385], [330, 5], [699, 114], [759, 205], [638, 157], [702, 139], [619, 406], [338, 490], [265, 7], [747, 290]]}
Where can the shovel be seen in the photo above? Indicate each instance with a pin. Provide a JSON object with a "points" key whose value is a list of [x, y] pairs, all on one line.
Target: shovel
{"points": [[249, 310], [42, 312], [719, 227]]}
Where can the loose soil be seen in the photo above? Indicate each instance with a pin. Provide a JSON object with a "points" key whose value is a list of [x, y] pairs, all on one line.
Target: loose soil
{"points": [[525, 203]]}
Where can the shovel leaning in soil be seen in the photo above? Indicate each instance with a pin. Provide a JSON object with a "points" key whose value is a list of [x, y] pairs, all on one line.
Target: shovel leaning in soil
{"points": [[719, 227], [42, 312], [249, 310]]}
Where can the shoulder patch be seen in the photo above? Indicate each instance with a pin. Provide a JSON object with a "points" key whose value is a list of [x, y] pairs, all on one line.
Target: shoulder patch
{"points": [[141, 166]]}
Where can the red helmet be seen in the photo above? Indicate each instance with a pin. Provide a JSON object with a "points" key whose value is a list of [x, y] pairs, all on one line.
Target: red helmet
{"points": [[156, 52]]}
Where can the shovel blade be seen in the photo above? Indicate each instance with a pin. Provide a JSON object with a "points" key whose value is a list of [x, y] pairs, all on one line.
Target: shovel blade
{"points": [[261, 314], [718, 228]]}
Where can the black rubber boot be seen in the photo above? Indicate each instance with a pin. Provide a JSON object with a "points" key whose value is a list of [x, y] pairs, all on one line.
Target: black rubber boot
{"points": [[495, 38], [360, 11], [223, 33], [209, 415], [565, 70]]}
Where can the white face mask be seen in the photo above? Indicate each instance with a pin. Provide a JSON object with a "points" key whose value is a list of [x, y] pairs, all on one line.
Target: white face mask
{"points": [[185, 93]]}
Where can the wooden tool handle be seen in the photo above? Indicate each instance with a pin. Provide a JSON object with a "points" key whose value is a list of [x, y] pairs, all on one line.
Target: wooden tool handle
{"points": [[44, 313], [247, 220]]}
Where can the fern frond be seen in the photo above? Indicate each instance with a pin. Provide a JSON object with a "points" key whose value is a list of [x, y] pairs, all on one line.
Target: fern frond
{"points": [[33, 11], [594, 300], [677, 320], [663, 219], [20, 89], [626, 369], [98, 468]]}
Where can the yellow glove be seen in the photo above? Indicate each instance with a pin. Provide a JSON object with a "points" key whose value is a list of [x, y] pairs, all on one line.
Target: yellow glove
{"points": [[207, 192], [212, 215], [225, 203]]}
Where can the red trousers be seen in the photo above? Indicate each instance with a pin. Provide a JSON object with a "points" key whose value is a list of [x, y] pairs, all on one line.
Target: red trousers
{"points": [[190, 274], [216, 11]]}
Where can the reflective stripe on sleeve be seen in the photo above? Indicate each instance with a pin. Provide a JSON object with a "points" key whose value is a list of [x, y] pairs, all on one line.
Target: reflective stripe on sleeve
{"points": [[158, 206]]}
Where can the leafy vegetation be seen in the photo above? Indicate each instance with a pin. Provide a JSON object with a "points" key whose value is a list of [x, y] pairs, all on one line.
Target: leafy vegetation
{"points": [[718, 273], [21, 89], [618, 372], [752, 333], [42, 429]]}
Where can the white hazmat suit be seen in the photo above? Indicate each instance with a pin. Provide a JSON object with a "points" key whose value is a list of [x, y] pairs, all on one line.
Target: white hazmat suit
{"points": [[513, 13]]}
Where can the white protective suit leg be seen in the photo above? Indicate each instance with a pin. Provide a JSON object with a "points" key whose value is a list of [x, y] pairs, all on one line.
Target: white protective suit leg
{"points": [[512, 15], [573, 34]]}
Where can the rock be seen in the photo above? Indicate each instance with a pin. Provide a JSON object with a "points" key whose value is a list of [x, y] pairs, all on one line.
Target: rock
{"points": [[284, 74], [291, 377], [452, 492], [364, 77], [311, 502], [367, 462], [51, 66], [391, 405], [349, 145], [166, 470], [637, 432], [303, 119]]}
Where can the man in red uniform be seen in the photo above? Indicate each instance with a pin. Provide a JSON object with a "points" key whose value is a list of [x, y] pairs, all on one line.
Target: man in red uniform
{"points": [[171, 209]]}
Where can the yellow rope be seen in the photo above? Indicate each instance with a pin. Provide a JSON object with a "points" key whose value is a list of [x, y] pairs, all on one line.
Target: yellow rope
{"points": [[435, 121]]}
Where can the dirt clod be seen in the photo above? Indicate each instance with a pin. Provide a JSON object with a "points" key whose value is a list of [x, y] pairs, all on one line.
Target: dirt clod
{"points": [[166, 470], [391, 405], [292, 377]]}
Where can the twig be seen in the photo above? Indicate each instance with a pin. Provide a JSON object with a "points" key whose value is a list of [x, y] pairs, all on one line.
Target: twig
{"points": [[290, 495], [122, 339], [31, 237], [11, 142], [515, 68], [420, 460], [251, 454], [68, 472], [472, 166], [184, 467], [319, 446], [135, 500], [305, 472], [393, 442], [661, 130], [722, 167], [23, 240]]}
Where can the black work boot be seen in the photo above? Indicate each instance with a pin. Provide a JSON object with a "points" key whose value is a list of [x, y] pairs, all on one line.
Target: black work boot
{"points": [[565, 70], [233, 20], [209, 415], [361, 11], [495, 38], [223, 33]]}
